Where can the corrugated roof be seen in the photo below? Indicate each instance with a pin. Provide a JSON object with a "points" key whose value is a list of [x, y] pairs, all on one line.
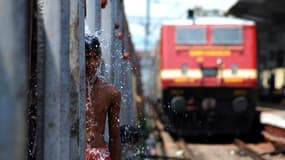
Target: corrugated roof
{"points": [[262, 11]]}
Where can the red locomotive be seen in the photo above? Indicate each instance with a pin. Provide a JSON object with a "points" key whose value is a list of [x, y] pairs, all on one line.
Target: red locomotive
{"points": [[208, 75]]}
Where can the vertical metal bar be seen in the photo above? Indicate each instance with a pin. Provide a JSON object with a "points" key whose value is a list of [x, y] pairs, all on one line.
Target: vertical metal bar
{"points": [[39, 71], [13, 81], [77, 67], [64, 80], [81, 87], [93, 17], [107, 39], [126, 84], [115, 44], [118, 63], [128, 110], [52, 92], [57, 78]]}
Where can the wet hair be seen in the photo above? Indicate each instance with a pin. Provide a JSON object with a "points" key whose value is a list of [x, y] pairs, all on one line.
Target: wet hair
{"points": [[92, 43]]}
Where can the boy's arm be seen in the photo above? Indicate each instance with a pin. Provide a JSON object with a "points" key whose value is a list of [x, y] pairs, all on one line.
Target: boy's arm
{"points": [[114, 126]]}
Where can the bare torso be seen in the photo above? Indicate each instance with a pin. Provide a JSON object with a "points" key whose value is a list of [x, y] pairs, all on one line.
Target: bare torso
{"points": [[96, 113], [102, 100]]}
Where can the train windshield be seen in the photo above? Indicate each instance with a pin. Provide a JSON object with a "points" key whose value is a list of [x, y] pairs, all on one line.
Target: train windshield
{"points": [[191, 36], [227, 35], [209, 72]]}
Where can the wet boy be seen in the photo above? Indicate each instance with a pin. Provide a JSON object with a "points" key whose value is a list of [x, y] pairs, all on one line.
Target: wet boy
{"points": [[102, 99]]}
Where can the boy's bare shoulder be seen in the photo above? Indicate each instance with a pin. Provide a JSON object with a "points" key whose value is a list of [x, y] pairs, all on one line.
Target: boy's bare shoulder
{"points": [[110, 88]]}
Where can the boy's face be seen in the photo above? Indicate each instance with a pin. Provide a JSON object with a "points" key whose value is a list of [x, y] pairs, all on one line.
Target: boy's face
{"points": [[92, 63]]}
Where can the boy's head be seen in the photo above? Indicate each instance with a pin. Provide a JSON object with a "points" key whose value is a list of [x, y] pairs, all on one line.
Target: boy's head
{"points": [[92, 44], [92, 54]]}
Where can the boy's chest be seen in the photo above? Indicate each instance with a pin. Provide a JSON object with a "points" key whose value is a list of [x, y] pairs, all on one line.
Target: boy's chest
{"points": [[100, 101]]}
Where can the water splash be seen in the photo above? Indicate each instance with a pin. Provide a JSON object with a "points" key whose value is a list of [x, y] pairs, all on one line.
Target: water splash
{"points": [[100, 154], [99, 34]]}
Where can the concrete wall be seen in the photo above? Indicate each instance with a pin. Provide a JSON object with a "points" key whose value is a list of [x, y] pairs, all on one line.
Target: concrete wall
{"points": [[44, 72], [13, 81], [63, 80]]}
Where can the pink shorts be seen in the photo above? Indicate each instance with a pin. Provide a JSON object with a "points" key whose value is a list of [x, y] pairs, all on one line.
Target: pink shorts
{"points": [[97, 153]]}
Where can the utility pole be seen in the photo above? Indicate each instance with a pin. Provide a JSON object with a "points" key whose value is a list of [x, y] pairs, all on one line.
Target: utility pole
{"points": [[147, 23]]}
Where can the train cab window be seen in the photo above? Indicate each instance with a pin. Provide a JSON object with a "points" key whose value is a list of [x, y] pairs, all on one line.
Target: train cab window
{"points": [[191, 36], [209, 72], [234, 68], [227, 35]]}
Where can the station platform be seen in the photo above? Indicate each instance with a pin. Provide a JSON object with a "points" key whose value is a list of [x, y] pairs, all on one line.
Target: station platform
{"points": [[273, 121]]}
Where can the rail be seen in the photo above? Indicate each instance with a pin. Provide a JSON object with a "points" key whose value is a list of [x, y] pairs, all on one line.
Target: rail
{"points": [[242, 146], [188, 153]]}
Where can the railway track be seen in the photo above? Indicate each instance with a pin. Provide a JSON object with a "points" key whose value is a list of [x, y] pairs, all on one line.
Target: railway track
{"points": [[179, 149], [238, 150]]}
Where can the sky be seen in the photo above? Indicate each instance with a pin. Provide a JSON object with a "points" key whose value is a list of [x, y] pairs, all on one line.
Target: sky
{"points": [[163, 10]]}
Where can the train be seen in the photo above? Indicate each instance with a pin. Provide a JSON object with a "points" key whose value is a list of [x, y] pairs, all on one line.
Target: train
{"points": [[208, 75]]}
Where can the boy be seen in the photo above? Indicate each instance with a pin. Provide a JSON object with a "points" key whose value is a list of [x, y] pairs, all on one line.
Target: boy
{"points": [[102, 99]]}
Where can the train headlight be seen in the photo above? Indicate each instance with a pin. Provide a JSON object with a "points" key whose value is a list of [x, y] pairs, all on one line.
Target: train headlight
{"points": [[184, 69], [219, 61], [240, 104], [208, 103], [178, 104]]}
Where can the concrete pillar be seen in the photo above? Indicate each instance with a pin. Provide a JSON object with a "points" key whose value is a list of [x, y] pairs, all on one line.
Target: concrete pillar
{"points": [[93, 16], [13, 81], [127, 113], [107, 39], [77, 90], [119, 65], [57, 79]]}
